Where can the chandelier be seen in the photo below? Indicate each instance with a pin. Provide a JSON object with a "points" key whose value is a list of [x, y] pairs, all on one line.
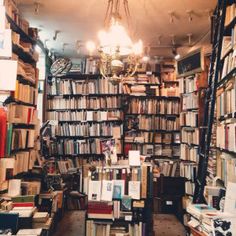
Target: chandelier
{"points": [[118, 54]]}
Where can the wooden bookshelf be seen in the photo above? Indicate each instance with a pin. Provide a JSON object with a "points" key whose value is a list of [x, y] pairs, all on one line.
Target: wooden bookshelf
{"points": [[192, 89]]}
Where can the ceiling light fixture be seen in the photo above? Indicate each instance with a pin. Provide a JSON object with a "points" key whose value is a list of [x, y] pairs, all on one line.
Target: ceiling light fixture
{"points": [[115, 44], [175, 53]]}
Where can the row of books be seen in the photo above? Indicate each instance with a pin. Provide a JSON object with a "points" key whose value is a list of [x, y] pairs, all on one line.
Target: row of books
{"points": [[18, 163], [153, 106], [226, 136], [147, 137], [84, 103], [97, 229], [189, 118], [25, 93], [190, 135], [189, 153], [97, 86], [228, 44], [27, 71], [76, 147], [226, 167], [20, 138], [141, 90], [228, 65], [85, 129], [166, 168], [226, 98], [212, 166], [230, 13], [189, 84], [189, 188], [190, 101], [84, 115], [122, 180], [152, 123], [153, 149], [20, 114], [188, 170], [142, 79]]}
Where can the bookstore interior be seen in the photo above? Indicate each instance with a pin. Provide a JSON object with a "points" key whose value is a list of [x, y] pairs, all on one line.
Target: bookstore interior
{"points": [[118, 118]]}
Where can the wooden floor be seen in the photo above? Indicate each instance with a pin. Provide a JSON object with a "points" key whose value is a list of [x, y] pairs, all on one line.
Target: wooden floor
{"points": [[73, 224]]}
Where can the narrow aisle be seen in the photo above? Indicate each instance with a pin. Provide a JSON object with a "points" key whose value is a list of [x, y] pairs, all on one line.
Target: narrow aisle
{"points": [[167, 225], [72, 224]]}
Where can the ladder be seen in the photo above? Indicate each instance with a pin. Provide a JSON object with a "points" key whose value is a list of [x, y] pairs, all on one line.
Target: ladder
{"points": [[210, 98]]}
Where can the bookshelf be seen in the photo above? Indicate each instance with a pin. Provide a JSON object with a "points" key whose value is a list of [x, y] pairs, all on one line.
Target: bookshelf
{"points": [[87, 109], [192, 90], [225, 104], [120, 213], [151, 115], [22, 133]]}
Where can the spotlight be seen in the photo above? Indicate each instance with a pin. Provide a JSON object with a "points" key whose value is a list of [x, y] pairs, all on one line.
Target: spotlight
{"points": [[175, 53], [145, 58]]}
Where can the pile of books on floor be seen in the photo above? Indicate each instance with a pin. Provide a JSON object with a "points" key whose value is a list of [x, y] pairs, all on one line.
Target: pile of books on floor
{"points": [[211, 219]]}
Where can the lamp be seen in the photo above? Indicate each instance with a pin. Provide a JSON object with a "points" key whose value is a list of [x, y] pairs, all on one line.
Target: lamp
{"points": [[116, 47], [175, 53]]}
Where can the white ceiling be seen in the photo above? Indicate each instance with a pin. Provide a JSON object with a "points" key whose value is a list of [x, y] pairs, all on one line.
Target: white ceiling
{"points": [[82, 19]]}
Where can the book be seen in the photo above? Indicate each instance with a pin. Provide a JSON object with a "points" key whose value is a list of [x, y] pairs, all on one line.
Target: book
{"points": [[134, 189], [118, 189], [107, 190], [94, 190], [134, 158]]}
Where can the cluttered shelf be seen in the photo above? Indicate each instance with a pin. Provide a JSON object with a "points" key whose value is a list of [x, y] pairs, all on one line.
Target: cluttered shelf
{"points": [[25, 37]]}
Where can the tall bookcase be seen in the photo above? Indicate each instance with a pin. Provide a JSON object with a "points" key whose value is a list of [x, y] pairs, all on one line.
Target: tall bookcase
{"points": [[87, 109], [22, 135], [151, 116], [192, 90], [226, 103]]}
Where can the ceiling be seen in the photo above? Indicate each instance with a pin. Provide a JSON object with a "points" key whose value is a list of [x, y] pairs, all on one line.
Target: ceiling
{"points": [[150, 20]]}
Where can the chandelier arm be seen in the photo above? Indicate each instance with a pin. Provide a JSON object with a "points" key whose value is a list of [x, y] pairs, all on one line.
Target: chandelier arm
{"points": [[107, 10], [127, 12]]}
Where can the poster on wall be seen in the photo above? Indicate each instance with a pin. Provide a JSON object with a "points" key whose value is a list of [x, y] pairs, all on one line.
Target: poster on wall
{"points": [[5, 43]]}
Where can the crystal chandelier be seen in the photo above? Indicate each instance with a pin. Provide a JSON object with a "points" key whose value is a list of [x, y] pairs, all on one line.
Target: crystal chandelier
{"points": [[118, 54]]}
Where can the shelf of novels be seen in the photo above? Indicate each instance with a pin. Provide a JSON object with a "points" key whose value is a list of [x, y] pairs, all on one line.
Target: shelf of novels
{"points": [[21, 141], [88, 110], [119, 196], [225, 103], [192, 90]]}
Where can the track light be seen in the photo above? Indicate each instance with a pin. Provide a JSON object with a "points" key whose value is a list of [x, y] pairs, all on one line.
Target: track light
{"points": [[36, 7], [175, 53], [56, 34]]}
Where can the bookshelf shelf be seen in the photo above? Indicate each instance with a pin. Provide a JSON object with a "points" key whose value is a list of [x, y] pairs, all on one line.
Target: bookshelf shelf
{"points": [[92, 121], [81, 137], [225, 79], [25, 81], [23, 103], [227, 116], [229, 27], [152, 131], [154, 97], [84, 95], [153, 143], [24, 56], [226, 151], [23, 126], [154, 114], [145, 84], [25, 37], [84, 109], [21, 150], [77, 76], [226, 54]]}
